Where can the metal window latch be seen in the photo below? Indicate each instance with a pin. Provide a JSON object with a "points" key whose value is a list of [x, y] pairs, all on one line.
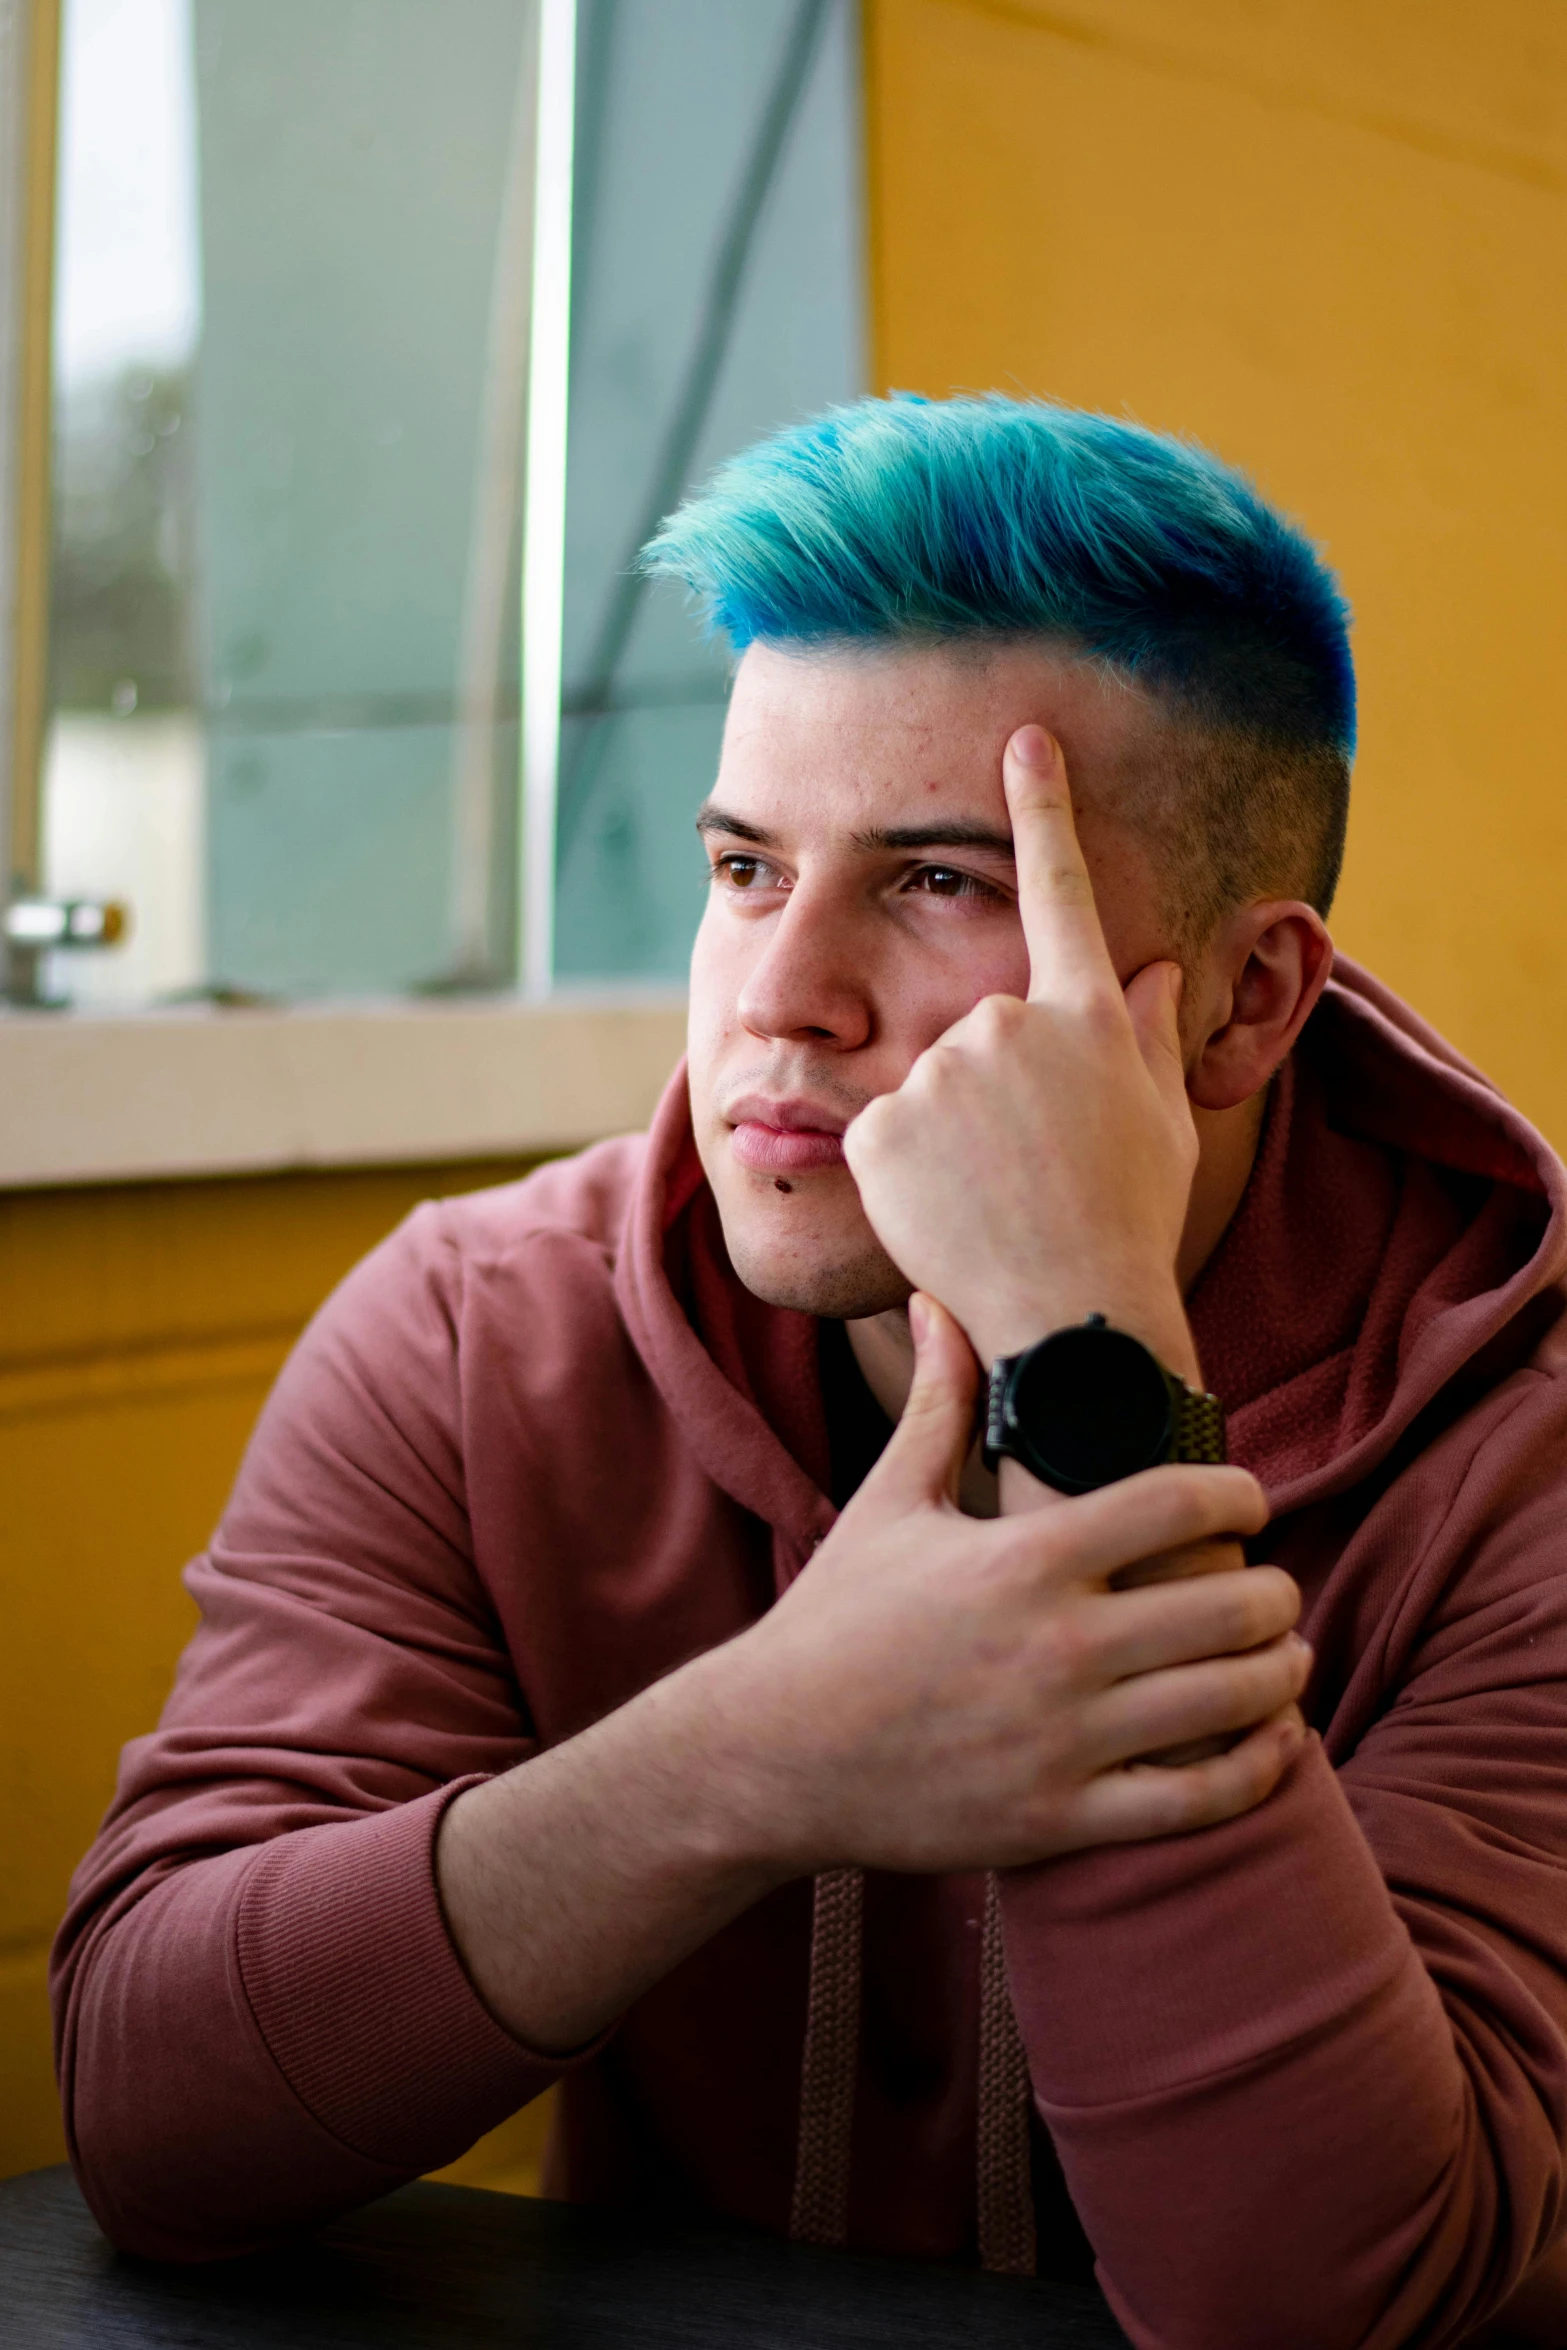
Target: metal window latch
{"points": [[32, 927], [40, 923]]}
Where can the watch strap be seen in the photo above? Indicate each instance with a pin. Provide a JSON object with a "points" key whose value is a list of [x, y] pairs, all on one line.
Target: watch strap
{"points": [[1199, 1424]]}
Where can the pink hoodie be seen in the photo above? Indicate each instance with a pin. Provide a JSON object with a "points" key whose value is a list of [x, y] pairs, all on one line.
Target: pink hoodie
{"points": [[1304, 2075]]}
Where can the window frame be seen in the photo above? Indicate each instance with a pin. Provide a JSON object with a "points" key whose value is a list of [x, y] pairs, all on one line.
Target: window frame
{"points": [[199, 1090], [29, 118]]}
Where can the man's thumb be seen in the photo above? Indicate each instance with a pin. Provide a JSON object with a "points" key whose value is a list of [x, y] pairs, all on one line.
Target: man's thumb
{"points": [[931, 1442]]}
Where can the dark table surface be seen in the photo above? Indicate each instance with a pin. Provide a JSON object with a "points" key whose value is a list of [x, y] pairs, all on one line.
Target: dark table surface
{"points": [[434, 2267]]}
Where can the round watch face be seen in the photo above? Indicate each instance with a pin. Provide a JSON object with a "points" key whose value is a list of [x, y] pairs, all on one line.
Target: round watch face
{"points": [[1089, 1406]]}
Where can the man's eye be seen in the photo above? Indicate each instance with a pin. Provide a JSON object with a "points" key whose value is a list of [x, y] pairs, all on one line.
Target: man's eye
{"points": [[743, 872], [945, 881]]}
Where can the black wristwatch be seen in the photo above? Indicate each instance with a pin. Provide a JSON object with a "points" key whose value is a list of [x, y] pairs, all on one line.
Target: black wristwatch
{"points": [[1089, 1405]]}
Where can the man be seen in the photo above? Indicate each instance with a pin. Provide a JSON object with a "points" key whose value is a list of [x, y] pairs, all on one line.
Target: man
{"points": [[540, 1674]]}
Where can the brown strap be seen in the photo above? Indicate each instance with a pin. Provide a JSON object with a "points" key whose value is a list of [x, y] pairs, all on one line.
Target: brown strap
{"points": [[1006, 2102], [832, 2043], [1199, 1427]]}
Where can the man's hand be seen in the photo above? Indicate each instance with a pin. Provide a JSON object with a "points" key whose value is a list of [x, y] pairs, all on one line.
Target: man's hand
{"points": [[933, 1692], [1034, 1166], [939, 1692]]}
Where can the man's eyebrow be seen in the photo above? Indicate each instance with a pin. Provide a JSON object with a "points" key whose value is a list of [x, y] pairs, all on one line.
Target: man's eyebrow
{"points": [[956, 832], [952, 832], [713, 819]]}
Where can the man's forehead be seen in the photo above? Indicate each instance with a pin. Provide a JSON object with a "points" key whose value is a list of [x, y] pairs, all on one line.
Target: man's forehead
{"points": [[954, 701]]}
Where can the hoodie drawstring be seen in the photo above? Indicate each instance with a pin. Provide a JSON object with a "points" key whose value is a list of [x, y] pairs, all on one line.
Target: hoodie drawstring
{"points": [[820, 2212], [832, 2046], [1006, 2104]]}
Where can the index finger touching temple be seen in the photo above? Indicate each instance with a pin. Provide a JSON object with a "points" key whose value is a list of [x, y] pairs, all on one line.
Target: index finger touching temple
{"points": [[1066, 942]]}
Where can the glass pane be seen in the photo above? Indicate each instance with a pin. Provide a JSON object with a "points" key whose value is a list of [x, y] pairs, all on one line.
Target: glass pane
{"points": [[716, 293], [354, 167], [284, 647]]}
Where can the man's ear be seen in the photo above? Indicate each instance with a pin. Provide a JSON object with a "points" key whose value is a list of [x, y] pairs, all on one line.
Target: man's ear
{"points": [[1264, 969]]}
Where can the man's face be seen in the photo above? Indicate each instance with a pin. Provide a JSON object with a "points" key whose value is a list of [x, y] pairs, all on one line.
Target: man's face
{"points": [[863, 899]]}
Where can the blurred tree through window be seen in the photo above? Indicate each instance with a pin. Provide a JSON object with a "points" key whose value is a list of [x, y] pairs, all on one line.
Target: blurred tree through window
{"points": [[122, 581]]}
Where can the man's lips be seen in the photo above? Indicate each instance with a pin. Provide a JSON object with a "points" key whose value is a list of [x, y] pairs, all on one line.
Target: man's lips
{"points": [[777, 1150], [786, 1138]]}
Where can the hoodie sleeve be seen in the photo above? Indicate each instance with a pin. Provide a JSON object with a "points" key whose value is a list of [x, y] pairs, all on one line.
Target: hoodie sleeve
{"points": [[1307, 2072], [261, 2017]]}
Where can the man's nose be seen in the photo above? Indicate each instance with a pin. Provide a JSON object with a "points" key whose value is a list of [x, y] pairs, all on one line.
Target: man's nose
{"points": [[811, 981]]}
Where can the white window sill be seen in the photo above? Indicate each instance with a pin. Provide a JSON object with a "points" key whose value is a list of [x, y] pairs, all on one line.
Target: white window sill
{"points": [[98, 1098]]}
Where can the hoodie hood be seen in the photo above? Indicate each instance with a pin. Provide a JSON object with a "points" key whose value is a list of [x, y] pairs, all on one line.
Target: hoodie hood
{"points": [[740, 1377], [1403, 1226]]}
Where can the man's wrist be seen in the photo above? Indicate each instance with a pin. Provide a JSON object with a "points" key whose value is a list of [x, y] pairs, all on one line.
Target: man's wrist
{"points": [[1159, 1321]]}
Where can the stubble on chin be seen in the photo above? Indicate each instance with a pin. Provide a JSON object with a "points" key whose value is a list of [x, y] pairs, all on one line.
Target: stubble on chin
{"points": [[833, 1279], [838, 1292]]}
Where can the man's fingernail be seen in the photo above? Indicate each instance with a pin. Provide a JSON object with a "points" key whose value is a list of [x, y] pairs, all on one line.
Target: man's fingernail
{"points": [[919, 1318], [1034, 747]]}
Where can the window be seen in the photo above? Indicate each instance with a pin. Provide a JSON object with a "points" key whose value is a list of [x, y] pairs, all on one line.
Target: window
{"points": [[383, 333]]}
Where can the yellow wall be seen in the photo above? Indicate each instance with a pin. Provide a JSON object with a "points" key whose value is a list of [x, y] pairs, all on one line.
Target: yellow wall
{"points": [[140, 1327], [1329, 237]]}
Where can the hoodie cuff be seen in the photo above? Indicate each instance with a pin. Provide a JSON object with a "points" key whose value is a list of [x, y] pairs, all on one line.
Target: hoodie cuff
{"points": [[360, 1995]]}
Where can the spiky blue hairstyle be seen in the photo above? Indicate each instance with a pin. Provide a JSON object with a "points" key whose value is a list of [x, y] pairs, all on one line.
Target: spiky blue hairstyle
{"points": [[908, 518], [1021, 517]]}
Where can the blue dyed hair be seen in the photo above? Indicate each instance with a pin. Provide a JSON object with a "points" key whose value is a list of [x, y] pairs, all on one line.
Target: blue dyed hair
{"points": [[906, 518]]}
